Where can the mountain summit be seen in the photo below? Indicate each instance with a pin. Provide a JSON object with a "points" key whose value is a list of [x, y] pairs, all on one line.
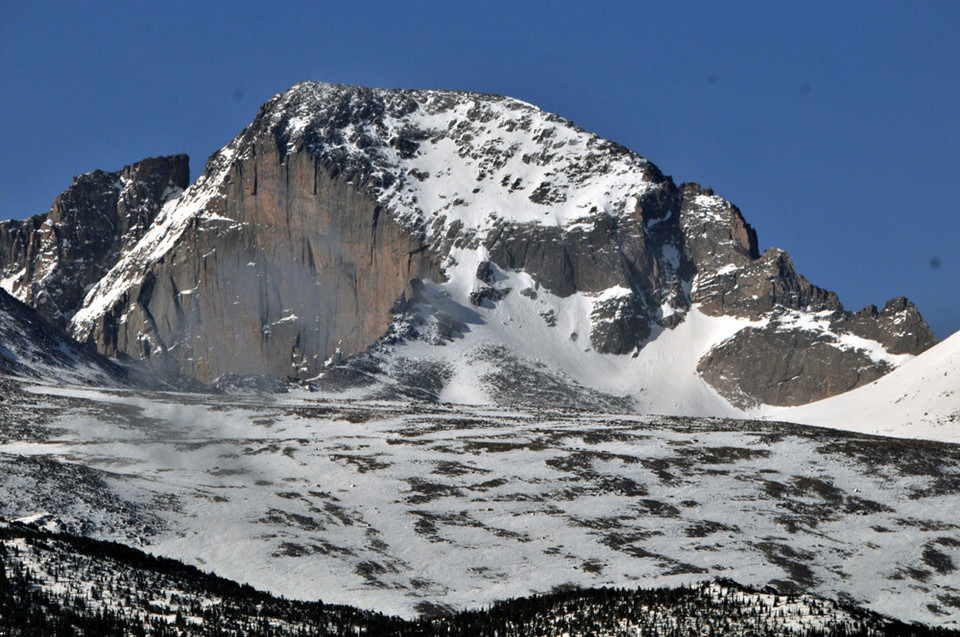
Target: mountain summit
{"points": [[472, 248]]}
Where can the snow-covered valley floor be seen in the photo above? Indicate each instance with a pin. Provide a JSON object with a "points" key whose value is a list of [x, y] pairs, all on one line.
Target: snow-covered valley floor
{"points": [[405, 508]]}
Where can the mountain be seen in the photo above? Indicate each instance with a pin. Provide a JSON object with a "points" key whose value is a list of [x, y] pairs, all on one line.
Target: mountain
{"points": [[346, 218], [379, 246], [34, 350], [446, 246]]}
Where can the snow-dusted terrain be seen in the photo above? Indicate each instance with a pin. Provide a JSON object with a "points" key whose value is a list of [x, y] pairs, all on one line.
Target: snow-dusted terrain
{"points": [[481, 156], [548, 337], [56, 580], [31, 347], [403, 507]]}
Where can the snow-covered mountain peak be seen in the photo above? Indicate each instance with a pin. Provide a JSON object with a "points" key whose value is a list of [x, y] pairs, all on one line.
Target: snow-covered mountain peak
{"points": [[434, 157], [49, 261], [343, 214]]}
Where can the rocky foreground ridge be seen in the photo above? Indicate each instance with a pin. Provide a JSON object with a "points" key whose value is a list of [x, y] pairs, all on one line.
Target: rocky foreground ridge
{"points": [[345, 218], [31, 347]]}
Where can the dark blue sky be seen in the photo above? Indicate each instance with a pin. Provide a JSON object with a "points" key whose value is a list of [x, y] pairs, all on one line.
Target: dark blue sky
{"points": [[835, 127]]}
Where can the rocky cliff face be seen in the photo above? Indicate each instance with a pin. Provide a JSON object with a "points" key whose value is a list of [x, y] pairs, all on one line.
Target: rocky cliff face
{"points": [[50, 261], [343, 212], [268, 265]]}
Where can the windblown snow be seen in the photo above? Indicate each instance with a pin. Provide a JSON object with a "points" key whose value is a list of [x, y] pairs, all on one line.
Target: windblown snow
{"points": [[32, 349]]}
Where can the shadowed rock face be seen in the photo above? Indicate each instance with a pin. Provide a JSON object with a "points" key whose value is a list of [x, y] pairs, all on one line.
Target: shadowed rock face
{"points": [[49, 261], [291, 262], [597, 254], [631, 252], [777, 367]]}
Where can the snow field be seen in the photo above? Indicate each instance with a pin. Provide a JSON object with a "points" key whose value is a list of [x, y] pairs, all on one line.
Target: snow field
{"points": [[388, 506]]}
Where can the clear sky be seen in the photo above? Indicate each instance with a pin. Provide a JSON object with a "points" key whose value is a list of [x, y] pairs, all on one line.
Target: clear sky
{"points": [[835, 127]]}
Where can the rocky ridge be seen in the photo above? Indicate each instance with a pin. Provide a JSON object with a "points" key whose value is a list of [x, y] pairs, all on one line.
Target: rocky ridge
{"points": [[804, 345], [343, 210], [51, 260]]}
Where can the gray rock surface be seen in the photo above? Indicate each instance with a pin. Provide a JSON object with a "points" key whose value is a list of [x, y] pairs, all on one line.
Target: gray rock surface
{"points": [[898, 326], [785, 362], [785, 367], [51, 260], [293, 260]]}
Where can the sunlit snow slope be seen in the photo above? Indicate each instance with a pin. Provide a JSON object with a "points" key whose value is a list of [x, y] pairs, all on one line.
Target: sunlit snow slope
{"points": [[920, 399], [400, 506]]}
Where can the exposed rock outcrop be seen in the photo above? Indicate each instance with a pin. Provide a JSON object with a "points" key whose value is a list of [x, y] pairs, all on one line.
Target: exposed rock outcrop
{"points": [[808, 348], [785, 367], [898, 327], [731, 276], [51, 260]]}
